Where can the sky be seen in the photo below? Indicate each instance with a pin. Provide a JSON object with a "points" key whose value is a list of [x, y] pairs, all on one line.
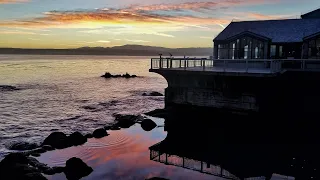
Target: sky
{"points": [[107, 23]]}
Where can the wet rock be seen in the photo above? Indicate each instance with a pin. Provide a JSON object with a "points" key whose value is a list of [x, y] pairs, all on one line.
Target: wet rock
{"points": [[99, 133], [54, 170], [35, 154], [22, 146], [153, 93], [8, 88], [160, 113], [89, 107], [47, 148], [13, 158], [76, 169], [35, 163], [115, 128], [148, 124], [126, 121], [88, 136], [34, 176], [38, 150], [77, 138], [57, 140]]}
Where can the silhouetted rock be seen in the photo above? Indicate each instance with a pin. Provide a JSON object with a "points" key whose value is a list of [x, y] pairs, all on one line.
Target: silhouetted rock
{"points": [[13, 158], [34, 176], [109, 75], [126, 121], [154, 93], [157, 178], [148, 124], [99, 133], [88, 136], [22, 146], [8, 88], [115, 128], [35, 154], [144, 94], [35, 163], [77, 138], [39, 150], [57, 140], [47, 147], [54, 170], [160, 113], [76, 169]]}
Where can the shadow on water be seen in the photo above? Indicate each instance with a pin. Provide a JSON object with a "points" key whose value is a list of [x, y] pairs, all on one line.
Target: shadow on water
{"points": [[237, 146]]}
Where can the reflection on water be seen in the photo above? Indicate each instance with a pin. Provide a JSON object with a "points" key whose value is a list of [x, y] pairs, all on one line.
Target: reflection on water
{"points": [[195, 141]]}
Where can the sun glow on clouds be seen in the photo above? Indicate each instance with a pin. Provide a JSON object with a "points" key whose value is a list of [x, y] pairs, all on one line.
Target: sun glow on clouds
{"points": [[137, 23]]}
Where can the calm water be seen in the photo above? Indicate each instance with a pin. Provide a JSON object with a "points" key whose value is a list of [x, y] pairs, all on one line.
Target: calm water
{"points": [[66, 93]]}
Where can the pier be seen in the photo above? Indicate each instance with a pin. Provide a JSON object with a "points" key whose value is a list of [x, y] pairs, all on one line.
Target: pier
{"points": [[240, 84]]}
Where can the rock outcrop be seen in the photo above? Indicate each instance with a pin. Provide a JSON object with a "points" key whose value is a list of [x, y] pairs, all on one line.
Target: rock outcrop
{"points": [[109, 75], [76, 169]]}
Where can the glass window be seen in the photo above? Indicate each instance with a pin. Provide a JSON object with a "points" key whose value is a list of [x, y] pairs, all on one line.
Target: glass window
{"points": [[256, 53], [280, 51], [273, 49], [246, 50]]}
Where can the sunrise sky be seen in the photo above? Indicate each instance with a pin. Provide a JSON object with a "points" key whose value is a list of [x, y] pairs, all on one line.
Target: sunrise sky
{"points": [[168, 23]]}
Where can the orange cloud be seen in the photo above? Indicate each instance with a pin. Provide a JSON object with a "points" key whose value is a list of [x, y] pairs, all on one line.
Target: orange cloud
{"points": [[263, 16], [12, 1], [135, 16]]}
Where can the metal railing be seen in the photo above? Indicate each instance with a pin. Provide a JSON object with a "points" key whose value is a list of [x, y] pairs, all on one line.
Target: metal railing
{"points": [[244, 65]]}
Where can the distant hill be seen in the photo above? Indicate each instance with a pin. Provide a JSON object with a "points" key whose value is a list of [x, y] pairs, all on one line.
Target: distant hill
{"points": [[128, 50]]}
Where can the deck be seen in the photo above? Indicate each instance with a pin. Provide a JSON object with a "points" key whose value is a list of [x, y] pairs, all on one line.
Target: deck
{"points": [[242, 66]]}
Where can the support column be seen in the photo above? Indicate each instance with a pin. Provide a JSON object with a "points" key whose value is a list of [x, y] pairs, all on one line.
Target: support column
{"points": [[215, 51]]}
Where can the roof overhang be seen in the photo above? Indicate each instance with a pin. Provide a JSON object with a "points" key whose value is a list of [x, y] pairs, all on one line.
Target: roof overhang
{"points": [[312, 36], [246, 33]]}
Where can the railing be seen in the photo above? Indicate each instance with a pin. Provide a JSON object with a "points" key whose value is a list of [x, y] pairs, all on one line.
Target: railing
{"points": [[245, 65]]}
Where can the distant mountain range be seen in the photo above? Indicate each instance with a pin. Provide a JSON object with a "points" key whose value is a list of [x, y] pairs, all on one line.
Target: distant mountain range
{"points": [[128, 50]]}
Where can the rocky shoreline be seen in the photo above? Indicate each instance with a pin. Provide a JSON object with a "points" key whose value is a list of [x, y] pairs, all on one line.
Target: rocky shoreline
{"points": [[22, 165]]}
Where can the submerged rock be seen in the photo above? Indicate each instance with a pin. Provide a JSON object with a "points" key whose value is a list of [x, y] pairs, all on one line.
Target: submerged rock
{"points": [[57, 140], [148, 124], [77, 138], [109, 75], [22, 146], [126, 121], [100, 133], [153, 93], [160, 113], [8, 88], [76, 169]]}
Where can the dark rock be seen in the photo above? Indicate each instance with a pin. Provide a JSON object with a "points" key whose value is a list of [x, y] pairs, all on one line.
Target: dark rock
{"points": [[8, 88], [47, 148], [76, 169], [148, 124], [157, 178], [99, 133], [57, 140], [144, 94], [115, 128], [35, 163], [160, 113], [38, 150], [77, 138], [88, 136], [107, 127], [89, 107], [35, 154], [22, 146], [107, 75], [54, 170], [126, 121], [34, 176], [154, 93]]}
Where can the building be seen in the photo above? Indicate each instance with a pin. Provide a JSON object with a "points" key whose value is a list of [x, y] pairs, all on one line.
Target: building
{"points": [[271, 39]]}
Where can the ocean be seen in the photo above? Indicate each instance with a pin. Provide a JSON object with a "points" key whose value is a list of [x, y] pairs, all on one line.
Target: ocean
{"points": [[67, 94]]}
